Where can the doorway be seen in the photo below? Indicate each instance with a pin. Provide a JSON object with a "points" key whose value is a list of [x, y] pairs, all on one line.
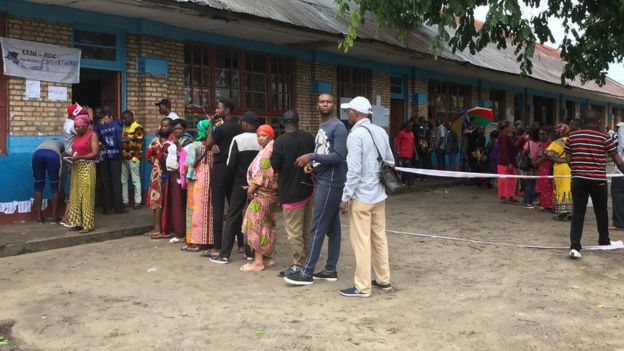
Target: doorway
{"points": [[397, 109], [98, 88]]}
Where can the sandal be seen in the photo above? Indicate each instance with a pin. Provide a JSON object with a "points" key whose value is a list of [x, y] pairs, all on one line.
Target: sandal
{"points": [[160, 236], [137, 207], [86, 231], [188, 248], [249, 267]]}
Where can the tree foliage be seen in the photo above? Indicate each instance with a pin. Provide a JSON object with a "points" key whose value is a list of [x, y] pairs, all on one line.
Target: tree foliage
{"points": [[594, 29]]}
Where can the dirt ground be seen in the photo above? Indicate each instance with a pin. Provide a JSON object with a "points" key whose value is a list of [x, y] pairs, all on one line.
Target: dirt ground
{"points": [[139, 294]]}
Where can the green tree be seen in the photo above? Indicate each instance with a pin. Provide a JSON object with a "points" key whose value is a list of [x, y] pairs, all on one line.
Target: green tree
{"points": [[594, 29]]}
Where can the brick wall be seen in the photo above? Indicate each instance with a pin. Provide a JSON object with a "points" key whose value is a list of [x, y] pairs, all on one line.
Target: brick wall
{"points": [[39, 116], [381, 87], [307, 72], [420, 87], [146, 89]]}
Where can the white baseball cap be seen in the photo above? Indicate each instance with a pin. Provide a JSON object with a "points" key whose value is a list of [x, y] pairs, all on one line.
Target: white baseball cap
{"points": [[620, 124], [360, 104]]}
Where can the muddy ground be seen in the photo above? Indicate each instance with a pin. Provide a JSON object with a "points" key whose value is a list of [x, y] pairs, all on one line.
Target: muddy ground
{"points": [[140, 294]]}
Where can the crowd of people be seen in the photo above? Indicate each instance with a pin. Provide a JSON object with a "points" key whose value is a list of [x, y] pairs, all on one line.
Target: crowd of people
{"points": [[226, 184]]}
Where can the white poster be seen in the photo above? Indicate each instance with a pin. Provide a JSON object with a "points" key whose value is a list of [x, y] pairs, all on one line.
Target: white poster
{"points": [[57, 93], [33, 89], [38, 61]]}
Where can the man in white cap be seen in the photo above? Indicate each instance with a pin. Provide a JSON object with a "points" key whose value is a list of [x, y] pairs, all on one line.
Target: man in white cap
{"points": [[364, 199]]}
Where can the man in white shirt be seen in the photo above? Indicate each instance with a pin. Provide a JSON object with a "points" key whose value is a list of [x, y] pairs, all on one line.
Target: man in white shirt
{"points": [[364, 198], [617, 186], [164, 108]]}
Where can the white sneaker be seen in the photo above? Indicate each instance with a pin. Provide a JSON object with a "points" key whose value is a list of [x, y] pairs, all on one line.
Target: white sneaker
{"points": [[574, 254], [175, 240]]}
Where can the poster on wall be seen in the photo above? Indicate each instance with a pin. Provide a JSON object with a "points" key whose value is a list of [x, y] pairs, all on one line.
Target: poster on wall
{"points": [[38, 61]]}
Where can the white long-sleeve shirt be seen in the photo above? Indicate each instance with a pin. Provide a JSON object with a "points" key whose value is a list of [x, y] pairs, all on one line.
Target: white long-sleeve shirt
{"points": [[363, 166]]}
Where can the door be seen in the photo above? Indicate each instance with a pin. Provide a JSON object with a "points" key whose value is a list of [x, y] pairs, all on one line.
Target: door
{"points": [[396, 117], [4, 120], [99, 88]]}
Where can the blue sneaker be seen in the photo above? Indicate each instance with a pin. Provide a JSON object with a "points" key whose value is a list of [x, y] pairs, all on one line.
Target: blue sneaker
{"points": [[289, 271], [353, 292]]}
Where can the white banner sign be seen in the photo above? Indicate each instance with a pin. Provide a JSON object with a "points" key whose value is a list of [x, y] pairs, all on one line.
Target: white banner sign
{"points": [[38, 61]]}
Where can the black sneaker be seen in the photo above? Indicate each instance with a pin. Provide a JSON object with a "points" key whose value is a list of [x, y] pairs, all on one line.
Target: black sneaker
{"points": [[219, 259], [298, 279], [323, 275], [289, 271], [385, 287]]}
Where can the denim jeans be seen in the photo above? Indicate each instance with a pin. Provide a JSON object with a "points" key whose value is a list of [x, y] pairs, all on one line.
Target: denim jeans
{"points": [[325, 221], [529, 191]]}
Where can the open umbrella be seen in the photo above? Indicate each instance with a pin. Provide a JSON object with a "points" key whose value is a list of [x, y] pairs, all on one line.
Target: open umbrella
{"points": [[481, 115]]}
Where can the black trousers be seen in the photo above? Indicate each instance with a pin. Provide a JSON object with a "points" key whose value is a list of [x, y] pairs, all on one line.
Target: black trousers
{"points": [[581, 190], [234, 221], [110, 173], [221, 191], [617, 201]]}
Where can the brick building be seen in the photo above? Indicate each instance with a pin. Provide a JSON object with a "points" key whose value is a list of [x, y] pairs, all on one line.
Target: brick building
{"points": [[267, 56]]}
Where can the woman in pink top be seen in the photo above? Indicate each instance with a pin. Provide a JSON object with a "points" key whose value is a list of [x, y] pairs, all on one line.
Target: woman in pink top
{"points": [[81, 213]]}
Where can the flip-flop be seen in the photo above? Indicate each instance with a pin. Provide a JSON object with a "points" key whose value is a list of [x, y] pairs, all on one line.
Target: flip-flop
{"points": [[268, 263], [160, 236], [190, 248], [86, 231], [247, 268]]}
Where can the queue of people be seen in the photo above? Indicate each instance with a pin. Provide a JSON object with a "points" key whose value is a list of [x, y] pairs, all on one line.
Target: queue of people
{"points": [[236, 161]]}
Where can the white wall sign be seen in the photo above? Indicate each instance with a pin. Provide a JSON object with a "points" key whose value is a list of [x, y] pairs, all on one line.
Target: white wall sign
{"points": [[57, 93], [38, 61], [33, 89]]}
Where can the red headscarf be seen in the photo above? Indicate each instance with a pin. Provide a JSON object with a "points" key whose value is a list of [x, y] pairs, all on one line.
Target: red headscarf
{"points": [[267, 129], [82, 120]]}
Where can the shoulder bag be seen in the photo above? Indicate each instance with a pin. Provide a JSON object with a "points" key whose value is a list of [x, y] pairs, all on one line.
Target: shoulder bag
{"points": [[387, 175]]}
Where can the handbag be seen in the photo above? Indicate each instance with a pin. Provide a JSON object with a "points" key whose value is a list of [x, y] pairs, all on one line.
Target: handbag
{"points": [[387, 175]]}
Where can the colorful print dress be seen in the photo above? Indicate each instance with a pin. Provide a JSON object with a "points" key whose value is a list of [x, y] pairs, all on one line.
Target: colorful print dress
{"points": [[154, 152], [260, 216]]}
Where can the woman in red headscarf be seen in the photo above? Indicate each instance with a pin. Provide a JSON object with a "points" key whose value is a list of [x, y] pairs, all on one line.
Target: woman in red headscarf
{"points": [[259, 220]]}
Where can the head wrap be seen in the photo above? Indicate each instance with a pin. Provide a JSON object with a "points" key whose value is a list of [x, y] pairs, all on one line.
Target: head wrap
{"points": [[267, 129], [82, 120], [202, 129], [562, 129]]}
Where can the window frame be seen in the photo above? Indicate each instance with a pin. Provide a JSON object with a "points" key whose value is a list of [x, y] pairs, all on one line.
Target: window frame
{"points": [[450, 92], [118, 64], [269, 114], [350, 88]]}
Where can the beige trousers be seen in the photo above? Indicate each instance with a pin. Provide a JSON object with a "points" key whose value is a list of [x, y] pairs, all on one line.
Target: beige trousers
{"points": [[297, 222], [369, 242]]}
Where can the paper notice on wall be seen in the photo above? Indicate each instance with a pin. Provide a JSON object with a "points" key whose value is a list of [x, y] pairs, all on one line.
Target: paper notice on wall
{"points": [[57, 93], [33, 89]]}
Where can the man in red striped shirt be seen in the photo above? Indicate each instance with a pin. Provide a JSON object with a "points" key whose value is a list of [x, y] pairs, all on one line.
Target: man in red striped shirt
{"points": [[587, 150]]}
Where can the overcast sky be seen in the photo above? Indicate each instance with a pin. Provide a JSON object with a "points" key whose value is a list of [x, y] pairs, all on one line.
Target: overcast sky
{"points": [[616, 70]]}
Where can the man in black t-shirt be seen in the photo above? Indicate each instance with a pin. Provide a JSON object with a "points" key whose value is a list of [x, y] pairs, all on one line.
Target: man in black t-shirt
{"points": [[295, 187], [221, 184]]}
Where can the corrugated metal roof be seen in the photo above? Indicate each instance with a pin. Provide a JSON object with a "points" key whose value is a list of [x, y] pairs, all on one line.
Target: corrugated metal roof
{"points": [[320, 15]]}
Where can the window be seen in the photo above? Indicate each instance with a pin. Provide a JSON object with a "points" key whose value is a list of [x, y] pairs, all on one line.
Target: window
{"points": [[354, 82], [95, 45], [396, 85], [447, 100], [497, 98], [570, 109], [257, 82]]}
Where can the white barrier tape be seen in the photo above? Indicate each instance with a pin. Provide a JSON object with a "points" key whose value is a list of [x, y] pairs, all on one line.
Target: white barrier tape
{"points": [[615, 245], [453, 174]]}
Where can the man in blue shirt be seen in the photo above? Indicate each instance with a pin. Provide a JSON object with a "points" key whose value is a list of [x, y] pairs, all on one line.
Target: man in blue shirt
{"points": [[364, 197], [328, 164]]}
